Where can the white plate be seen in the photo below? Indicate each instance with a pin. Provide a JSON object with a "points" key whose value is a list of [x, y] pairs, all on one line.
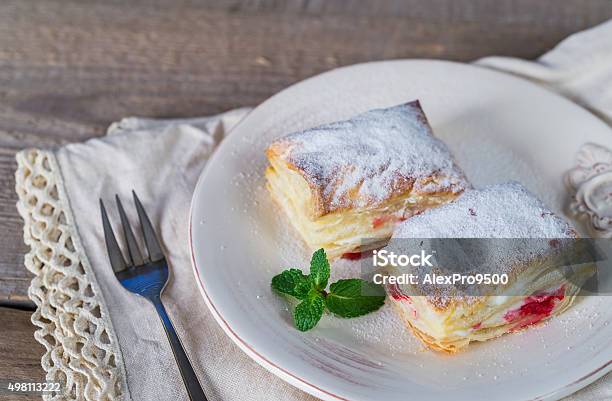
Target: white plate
{"points": [[499, 128]]}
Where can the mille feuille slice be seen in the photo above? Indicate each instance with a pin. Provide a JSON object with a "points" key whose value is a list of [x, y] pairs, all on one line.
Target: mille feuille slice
{"points": [[448, 318], [347, 181]]}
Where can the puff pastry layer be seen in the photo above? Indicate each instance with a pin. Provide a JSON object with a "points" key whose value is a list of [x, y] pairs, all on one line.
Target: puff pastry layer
{"points": [[448, 318], [345, 185]]}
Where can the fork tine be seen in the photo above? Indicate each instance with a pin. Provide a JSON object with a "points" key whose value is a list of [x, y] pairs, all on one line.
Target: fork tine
{"points": [[155, 252], [134, 254], [114, 252]]}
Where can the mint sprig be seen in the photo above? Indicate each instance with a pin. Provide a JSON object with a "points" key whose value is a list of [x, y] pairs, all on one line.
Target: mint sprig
{"points": [[346, 298]]}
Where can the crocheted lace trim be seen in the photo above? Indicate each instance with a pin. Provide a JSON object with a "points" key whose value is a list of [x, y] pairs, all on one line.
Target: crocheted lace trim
{"points": [[73, 323]]}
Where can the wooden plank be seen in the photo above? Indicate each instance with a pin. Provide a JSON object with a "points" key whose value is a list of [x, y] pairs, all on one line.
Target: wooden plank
{"points": [[68, 68], [14, 277], [19, 353]]}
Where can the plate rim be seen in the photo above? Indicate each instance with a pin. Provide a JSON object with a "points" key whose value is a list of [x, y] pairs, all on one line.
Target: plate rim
{"points": [[285, 374]]}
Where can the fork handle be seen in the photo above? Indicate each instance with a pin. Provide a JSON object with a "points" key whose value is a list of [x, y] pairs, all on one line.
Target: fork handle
{"points": [[189, 377]]}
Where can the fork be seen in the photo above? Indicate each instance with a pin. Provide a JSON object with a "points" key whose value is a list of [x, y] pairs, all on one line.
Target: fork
{"points": [[147, 278]]}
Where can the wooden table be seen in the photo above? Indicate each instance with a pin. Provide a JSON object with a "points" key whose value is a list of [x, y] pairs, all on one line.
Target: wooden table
{"points": [[69, 68]]}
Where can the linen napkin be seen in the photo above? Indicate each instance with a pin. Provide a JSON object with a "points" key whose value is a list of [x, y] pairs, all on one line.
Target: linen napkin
{"points": [[105, 344]]}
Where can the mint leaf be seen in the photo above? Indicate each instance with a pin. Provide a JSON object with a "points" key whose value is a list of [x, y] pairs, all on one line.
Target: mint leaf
{"points": [[308, 312], [292, 282], [319, 270], [354, 297], [302, 288]]}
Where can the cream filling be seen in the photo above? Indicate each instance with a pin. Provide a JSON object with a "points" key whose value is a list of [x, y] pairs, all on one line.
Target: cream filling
{"points": [[463, 320], [343, 231]]}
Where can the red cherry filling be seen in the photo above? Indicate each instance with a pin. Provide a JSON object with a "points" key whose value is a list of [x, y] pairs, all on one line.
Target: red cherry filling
{"points": [[384, 219], [397, 294], [380, 220], [535, 308], [352, 255]]}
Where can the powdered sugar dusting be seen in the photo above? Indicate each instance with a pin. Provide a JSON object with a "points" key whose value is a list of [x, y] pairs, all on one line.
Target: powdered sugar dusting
{"points": [[371, 157], [499, 211]]}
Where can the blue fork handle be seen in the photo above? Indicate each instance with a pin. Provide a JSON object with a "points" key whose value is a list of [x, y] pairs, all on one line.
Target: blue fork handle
{"points": [[189, 377]]}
